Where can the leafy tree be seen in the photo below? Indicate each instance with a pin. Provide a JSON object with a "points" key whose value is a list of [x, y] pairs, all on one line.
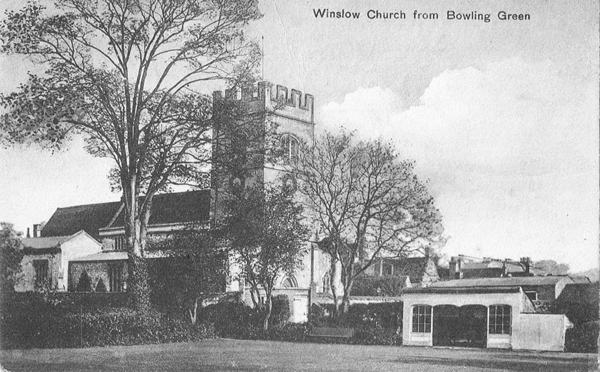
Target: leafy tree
{"points": [[545, 267], [263, 226], [371, 285], [193, 269], [11, 254], [121, 72], [366, 204]]}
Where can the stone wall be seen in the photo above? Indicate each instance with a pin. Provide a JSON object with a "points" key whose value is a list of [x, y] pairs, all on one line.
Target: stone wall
{"points": [[26, 280]]}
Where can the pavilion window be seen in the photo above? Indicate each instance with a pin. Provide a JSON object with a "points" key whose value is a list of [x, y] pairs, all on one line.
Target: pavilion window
{"points": [[421, 319], [500, 319]]}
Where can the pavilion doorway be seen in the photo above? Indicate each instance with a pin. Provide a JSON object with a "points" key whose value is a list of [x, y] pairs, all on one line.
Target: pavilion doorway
{"points": [[464, 326]]}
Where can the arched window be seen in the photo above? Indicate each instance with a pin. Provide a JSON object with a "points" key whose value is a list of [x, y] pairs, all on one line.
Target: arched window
{"points": [[499, 319], [421, 319], [289, 282], [326, 283], [290, 147]]}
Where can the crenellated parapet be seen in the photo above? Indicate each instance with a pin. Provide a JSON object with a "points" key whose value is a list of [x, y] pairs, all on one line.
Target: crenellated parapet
{"points": [[279, 99]]}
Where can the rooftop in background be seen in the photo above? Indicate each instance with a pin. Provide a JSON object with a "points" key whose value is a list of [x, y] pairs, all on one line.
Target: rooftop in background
{"points": [[43, 243], [420, 270], [463, 290], [507, 282], [182, 207]]}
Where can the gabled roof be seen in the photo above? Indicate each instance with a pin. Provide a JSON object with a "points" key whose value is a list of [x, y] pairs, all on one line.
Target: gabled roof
{"points": [[90, 218], [501, 282], [43, 243], [182, 207], [102, 256], [50, 244]]}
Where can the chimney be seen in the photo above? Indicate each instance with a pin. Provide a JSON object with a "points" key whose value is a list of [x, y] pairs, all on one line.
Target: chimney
{"points": [[526, 262], [455, 267], [28, 235], [36, 230]]}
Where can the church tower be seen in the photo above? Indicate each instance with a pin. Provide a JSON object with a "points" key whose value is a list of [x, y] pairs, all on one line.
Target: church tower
{"points": [[256, 112]]}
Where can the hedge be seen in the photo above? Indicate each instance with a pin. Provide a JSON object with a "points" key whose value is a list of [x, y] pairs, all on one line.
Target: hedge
{"points": [[58, 320], [108, 327], [66, 301], [582, 338]]}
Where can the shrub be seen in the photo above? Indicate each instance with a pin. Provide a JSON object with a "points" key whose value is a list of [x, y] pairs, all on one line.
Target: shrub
{"points": [[582, 338], [577, 312], [374, 324], [375, 315], [100, 287], [84, 284], [376, 336], [55, 321], [292, 332], [232, 319], [280, 314]]}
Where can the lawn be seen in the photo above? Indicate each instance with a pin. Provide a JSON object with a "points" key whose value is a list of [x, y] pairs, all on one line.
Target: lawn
{"points": [[241, 355]]}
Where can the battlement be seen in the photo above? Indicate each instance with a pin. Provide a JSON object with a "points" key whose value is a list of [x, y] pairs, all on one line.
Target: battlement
{"points": [[277, 98]]}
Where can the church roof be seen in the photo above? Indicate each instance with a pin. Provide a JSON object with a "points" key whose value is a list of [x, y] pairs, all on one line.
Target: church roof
{"points": [[90, 218], [182, 207]]}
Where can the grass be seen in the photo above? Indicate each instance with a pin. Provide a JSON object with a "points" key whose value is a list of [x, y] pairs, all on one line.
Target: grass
{"points": [[242, 355]]}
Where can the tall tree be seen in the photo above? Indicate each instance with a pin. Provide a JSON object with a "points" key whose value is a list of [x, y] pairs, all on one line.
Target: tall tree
{"points": [[193, 269], [365, 202], [550, 267], [11, 254], [263, 225], [121, 72]]}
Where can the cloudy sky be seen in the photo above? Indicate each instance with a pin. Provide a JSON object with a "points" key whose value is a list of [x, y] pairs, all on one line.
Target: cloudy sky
{"points": [[501, 116]]}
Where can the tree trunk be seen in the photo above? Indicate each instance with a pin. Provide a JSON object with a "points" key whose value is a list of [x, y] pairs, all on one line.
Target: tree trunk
{"points": [[346, 297], [138, 288], [136, 223], [332, 284], [347, 282], [194, 312], [269, 309]]}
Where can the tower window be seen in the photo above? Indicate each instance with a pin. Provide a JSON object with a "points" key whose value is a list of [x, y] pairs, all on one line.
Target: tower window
{"points": [[290, 147]]}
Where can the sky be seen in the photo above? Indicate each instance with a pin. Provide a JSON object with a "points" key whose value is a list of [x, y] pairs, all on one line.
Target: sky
{"points": [[501, 117]]}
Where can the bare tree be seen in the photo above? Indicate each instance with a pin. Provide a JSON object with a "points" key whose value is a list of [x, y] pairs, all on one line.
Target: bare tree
{"points": [[365, 202], [121, 72]]}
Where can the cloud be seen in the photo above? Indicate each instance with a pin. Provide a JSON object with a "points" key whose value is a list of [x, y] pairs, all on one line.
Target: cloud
{"points": [[511, 151]]}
